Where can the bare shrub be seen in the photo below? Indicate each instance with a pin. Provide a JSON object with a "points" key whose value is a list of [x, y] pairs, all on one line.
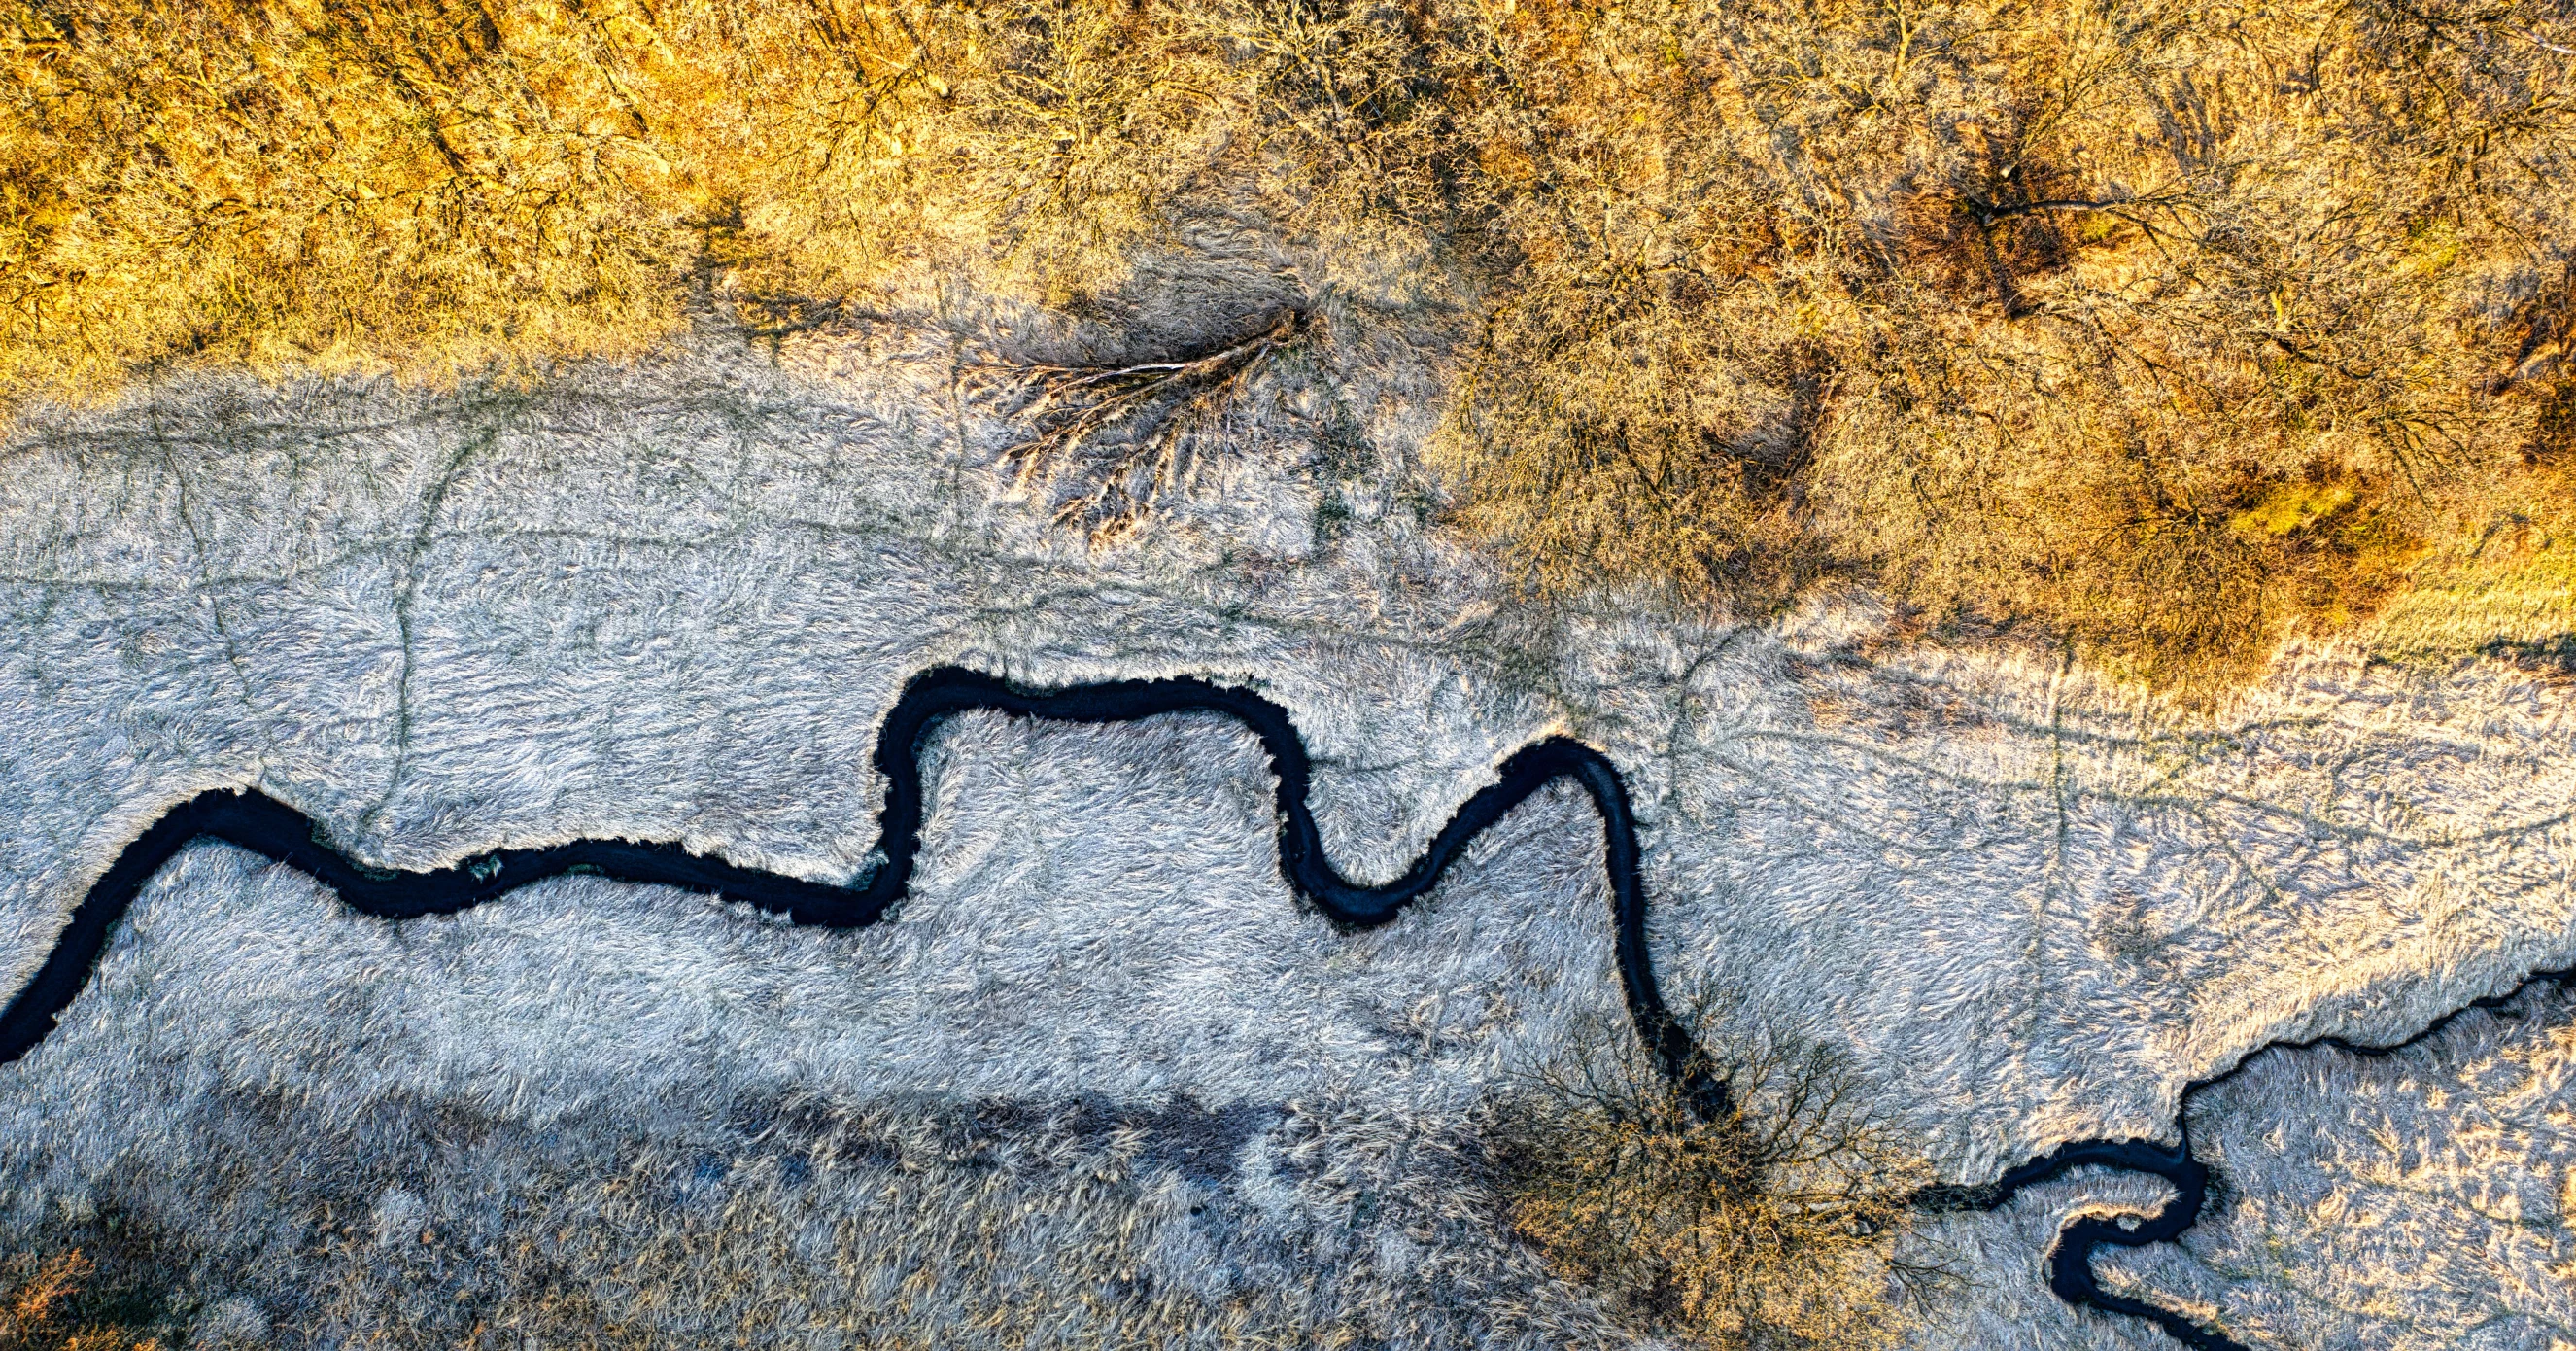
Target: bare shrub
{"points": [[1109, 442], [1776, 1224]]}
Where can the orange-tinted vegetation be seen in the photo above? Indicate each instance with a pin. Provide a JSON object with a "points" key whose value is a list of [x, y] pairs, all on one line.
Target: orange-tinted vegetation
{"points": [[61, 1303], [2158, 327]]}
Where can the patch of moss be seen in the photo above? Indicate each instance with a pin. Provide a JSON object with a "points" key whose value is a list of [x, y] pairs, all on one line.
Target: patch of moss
{"points": [[2292, 507]]}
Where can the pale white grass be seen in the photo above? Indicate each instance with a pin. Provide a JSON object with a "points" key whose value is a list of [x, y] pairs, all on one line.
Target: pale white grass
{"points": [[672, 600]]}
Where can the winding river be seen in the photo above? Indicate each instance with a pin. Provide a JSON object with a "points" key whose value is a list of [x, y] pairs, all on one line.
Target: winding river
{"points": [[265, 826]]}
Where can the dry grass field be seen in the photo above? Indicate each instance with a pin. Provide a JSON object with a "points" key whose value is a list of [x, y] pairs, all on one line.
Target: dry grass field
{"points": [[2153, 329]]}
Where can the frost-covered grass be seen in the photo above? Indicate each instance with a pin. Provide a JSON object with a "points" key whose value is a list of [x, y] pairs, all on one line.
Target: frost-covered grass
{"points": [[673, 600], [2419, 1200]]}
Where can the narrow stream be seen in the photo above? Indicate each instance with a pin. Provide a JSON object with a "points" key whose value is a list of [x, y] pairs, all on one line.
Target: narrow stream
{"points": [[265, 826]]}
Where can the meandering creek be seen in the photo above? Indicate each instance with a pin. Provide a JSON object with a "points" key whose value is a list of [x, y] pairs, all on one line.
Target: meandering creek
{"points": [[265, 826]]}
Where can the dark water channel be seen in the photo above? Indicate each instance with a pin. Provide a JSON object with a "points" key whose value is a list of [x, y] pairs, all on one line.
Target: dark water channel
{"points": [[261, 824]]}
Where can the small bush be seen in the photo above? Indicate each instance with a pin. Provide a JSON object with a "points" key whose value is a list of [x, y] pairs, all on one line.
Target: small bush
{"points": [[1110, 442], [1776, 1225]]}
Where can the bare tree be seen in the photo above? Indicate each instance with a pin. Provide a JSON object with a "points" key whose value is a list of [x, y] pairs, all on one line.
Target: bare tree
{"points": [[1779, 1223], [1109, 442]]}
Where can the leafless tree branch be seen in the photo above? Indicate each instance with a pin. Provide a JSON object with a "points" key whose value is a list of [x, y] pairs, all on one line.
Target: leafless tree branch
{"points": [[1124, 437]]}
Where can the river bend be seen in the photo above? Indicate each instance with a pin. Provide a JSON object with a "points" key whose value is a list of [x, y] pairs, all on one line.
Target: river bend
{"points": [[262, 825]]}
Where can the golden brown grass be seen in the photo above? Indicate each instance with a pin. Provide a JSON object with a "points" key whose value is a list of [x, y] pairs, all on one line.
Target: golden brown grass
{"points": [[2164, 327], [2167, 326], [437, 186]]}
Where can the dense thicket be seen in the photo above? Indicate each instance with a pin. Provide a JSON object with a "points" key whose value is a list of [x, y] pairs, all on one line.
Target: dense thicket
{"points": [[2161, 324]]}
